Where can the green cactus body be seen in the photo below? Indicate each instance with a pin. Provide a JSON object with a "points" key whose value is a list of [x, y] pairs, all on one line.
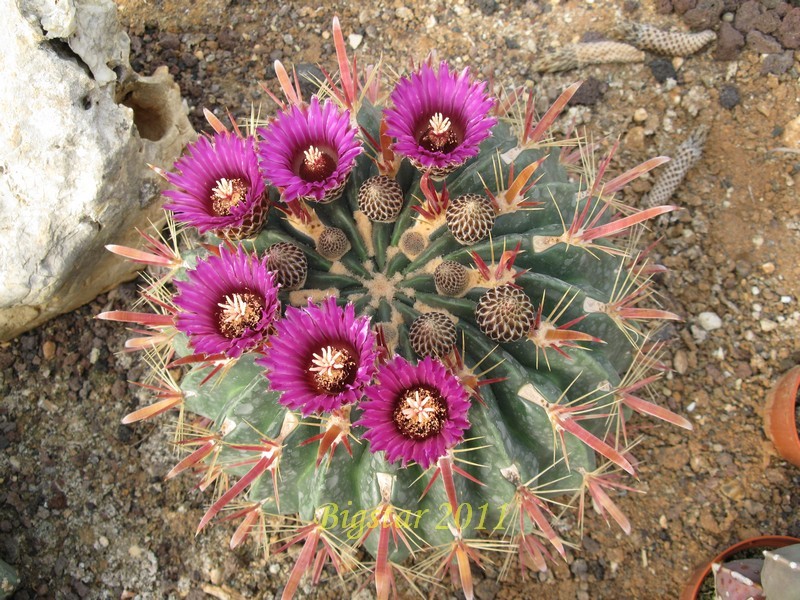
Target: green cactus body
{"points": [[394, 289], [548, 341]]}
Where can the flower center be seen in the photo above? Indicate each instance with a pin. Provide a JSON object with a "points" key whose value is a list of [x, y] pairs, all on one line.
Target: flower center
{"points": [[316, 165], [238, 312], [332, 368], [439, 134], [227, 194], [420, 413]]}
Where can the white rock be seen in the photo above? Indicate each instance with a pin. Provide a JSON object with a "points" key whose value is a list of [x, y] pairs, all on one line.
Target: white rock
{"points": [[699, 334], [355, 40], [709, 321], [404, 13], [768, 325], [73, 162]]}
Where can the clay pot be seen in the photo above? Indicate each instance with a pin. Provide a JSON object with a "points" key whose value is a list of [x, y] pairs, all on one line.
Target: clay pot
{"points": [[780, 421], [765, 542]]}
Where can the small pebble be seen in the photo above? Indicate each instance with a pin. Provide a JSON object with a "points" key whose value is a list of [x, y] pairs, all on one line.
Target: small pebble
{"points": [[709, 321], [590, 92], [681, 362], [728, 96], [404, 13], [662, 70], [768, 325], [355, 40], [49, 350], [640, 115], [768, 268]]}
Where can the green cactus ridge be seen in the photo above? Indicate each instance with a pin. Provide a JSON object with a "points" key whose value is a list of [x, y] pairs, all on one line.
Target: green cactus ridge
{"points": [[551, 415]]}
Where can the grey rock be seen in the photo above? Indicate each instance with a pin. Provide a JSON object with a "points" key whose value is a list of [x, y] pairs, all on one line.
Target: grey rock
{"points": [[729, 96], [763, 43], [74, 155], [747, 16], [777, 64], [789, 31], [729, 42], [681, 6], [591, 92], [704, 15], [662, 70]]}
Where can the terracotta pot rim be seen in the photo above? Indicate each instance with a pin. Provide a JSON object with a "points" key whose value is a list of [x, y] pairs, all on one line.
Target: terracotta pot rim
{"points": [[768, 542], [780, 423]]}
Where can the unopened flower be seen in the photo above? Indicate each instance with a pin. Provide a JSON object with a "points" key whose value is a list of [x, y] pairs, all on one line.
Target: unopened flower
{"points": [[219, 187], [439, 118], [321, 357], [228, 303], [309, 151], [415, 413]]}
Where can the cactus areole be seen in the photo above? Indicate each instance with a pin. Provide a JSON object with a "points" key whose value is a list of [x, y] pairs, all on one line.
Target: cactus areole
{"points": [[420, 333]]}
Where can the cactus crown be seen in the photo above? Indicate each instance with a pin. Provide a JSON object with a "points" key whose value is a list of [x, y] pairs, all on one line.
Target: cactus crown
{"points": [[458, 344]]}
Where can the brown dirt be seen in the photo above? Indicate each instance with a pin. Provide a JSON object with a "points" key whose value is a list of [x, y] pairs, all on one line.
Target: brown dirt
{"points": [[84, 510]]}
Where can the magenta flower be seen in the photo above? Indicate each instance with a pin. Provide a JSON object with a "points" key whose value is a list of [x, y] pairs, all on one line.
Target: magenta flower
{"points": [[439, 119], [220, 187], [309, 151], [415, 413], [228, 303], [321, 357]]}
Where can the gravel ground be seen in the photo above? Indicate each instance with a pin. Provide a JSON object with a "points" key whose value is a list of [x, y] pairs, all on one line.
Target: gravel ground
{"points": [[84, 510]]}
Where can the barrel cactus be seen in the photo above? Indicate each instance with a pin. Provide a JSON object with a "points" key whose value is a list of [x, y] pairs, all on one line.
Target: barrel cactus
{"points": [[416, 324]]}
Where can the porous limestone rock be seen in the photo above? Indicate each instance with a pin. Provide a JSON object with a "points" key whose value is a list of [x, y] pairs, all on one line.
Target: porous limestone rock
{"points": [[79, 128]]}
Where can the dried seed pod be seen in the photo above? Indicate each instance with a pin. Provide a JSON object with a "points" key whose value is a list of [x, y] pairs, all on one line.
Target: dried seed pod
{"points": [[505, 313], [669, 43], [432, 334], [451, 278], [470, 218], [574, 56], [288, 264], [381, 199], [333, 243], [686, 156]]}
